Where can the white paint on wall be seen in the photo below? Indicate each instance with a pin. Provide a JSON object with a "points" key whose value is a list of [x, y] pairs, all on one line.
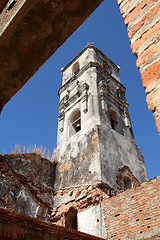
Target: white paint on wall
{"points": [[91, 221]]}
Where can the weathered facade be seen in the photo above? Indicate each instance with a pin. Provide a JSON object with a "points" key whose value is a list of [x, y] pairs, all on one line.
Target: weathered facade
{"points": [[93, 98], [95, 146], [94, 132]]}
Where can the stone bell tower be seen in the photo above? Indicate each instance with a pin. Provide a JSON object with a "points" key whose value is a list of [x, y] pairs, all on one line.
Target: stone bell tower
{"points": [[96, 153], [95, 139]]}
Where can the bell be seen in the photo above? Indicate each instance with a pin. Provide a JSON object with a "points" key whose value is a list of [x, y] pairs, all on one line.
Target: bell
{"points": [[78, 126]]}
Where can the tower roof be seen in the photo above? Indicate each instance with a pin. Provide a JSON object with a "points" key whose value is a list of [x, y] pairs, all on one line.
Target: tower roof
{"points": [[89, 45]]}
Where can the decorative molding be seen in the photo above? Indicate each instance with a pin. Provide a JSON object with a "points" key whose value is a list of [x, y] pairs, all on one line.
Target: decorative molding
{"points": [[107, 95], [61, 120], [81, 94]]}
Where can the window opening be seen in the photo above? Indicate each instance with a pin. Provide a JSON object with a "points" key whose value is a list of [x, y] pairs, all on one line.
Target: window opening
{"points": [[71, 219], [75, 123], [11, 4], [14, 191], [42, 212], [105, 66], [114, 119], [76, 68], [127, 183], [113, 123]]}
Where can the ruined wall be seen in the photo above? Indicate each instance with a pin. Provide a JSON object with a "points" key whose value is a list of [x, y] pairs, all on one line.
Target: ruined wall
{"points": [[26, 184], [16, 226], [142, 20], [97, 156], [86, 202], [135, 213]]}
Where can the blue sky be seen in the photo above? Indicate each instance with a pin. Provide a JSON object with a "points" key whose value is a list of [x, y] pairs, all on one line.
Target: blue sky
{"points": [[31, 116]]}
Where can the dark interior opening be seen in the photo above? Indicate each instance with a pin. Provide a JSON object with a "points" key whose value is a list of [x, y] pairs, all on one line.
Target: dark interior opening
{"points": [[71, 219], [113, 123], [11, 5], [128, 183]]}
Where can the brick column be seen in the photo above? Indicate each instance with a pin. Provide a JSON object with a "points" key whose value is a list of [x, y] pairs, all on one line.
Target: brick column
{"points": [[142, 19]]}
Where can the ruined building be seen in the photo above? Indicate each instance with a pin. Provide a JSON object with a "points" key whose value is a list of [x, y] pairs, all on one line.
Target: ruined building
{"points": [[96, 182]]}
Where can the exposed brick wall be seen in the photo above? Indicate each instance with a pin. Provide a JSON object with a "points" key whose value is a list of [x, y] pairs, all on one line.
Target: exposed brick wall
{"points": [[124, 173], [84, 197], [135, 213], [142, 19]]}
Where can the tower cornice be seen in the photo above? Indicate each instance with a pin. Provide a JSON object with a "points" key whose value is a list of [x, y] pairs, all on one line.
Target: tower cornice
{"points": [[82, 70], [89, 45]]}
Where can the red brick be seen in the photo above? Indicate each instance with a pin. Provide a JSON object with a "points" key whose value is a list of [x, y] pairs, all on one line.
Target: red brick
{"points": [[151, 32], [136, 10], [127, 5], [144, 20], [148, 53], [150, 74]]}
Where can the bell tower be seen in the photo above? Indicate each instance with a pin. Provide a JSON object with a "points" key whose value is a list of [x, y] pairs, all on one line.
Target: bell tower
{"points": [[95, 143]]}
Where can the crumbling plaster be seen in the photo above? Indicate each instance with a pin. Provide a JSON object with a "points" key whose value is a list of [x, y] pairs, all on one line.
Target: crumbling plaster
{"points": [[96, 152], [27, 184]]}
